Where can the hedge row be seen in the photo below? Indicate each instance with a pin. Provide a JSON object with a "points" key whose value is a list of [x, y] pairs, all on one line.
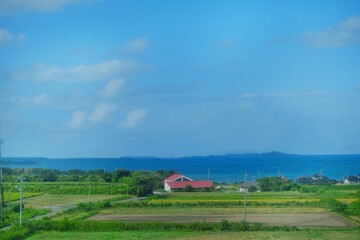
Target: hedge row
{"points": [[95, 226], [30, 227], [72, 188]]}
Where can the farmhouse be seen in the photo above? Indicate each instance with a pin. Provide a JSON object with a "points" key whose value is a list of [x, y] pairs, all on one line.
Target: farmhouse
{"points": [[317, 179], [252, 186], [352, 179], [179, 181]]}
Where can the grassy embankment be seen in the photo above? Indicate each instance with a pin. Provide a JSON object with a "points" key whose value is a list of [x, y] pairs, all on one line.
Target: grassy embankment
{"points": [[139, 235]]}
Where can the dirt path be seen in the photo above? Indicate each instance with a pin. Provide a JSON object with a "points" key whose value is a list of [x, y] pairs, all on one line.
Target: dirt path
{"points": [[299, 220]]}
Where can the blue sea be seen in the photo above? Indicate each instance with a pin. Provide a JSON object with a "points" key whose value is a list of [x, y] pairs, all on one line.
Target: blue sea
{"points": [[221, 168]]}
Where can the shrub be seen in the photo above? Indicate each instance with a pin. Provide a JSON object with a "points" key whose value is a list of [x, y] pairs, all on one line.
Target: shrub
{"points": [[93, 206], [354, 208], [15, 233], [333, 205], [188, 188], [16, 207], [225, 225]]}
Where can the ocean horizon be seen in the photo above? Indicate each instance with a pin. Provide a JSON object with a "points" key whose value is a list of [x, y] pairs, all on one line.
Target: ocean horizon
{"points": [[219, 168]]}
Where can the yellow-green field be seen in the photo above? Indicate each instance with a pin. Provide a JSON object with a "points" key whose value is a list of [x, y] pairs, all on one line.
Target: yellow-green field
{"points": [[345, 196], [209, 210], [16, 195], [63, 199]]}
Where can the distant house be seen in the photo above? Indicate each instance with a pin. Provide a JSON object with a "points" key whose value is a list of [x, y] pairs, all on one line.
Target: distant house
{"points": [[248, 185], [304, 180], [179, 181], [316, 179], [352, 179]]}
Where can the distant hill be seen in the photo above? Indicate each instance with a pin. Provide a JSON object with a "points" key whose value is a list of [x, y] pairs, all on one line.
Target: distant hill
{"points": [[275, 153]]}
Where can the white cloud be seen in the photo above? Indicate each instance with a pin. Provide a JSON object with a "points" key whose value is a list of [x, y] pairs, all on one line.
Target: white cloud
{"points": [[112, 87], [137, 45], [133, 118], [41, 99], [9, 7], [227, 43], [101, 111], [99, 114], [7, 37], [286, 94], [89, 72], [345, 33], [36, 101], [78, 118]]}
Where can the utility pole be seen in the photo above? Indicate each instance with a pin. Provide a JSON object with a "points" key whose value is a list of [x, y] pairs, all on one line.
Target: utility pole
{"points": [[9, 192], [208, 173], [50, 203], [245, 189], [89, 193], [21, 188], [1, 183]]}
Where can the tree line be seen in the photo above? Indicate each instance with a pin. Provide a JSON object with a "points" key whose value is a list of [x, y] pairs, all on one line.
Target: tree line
{"points": [[138, 182]]}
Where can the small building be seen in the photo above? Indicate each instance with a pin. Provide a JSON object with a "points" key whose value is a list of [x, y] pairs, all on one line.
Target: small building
{"points": [[179, 181], [317, 179], [245, 187], [352, 179], [304, 180]]}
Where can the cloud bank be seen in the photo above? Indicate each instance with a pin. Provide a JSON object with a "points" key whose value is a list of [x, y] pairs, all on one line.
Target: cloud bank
{"points": [[10, 7], [343, 34], [84, 72]]}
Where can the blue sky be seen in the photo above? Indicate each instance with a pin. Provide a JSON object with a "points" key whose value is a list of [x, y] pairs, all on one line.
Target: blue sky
{"points": [[110, 78]]}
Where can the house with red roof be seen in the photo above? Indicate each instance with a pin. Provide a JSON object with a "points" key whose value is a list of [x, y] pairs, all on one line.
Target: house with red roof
{"points": [[179, 181]]}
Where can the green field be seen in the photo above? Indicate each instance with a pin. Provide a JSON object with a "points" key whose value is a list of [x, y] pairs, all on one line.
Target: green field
{"points": [[336, 192], [212, 205], [14, 196], [139, 235], [64, 199]]}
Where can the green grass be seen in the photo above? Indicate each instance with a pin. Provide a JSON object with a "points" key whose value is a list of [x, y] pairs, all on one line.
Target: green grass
{"points": [[137, 235], [114, 235]]}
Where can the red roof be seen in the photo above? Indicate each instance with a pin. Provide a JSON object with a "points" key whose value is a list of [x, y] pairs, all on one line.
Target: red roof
{"points": [[173, 177], [194, 184]]}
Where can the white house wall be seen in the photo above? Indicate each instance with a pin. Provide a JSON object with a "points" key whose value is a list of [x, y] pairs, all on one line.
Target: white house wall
{"points": [[167, 187]]}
